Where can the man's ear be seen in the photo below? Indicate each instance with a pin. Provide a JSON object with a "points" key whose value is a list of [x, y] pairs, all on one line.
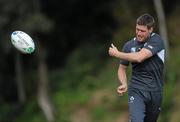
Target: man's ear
{"points": [[151, 30]]}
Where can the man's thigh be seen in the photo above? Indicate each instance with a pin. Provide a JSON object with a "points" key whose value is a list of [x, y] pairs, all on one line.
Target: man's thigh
{"points": [[154, 107], [136, 106]]}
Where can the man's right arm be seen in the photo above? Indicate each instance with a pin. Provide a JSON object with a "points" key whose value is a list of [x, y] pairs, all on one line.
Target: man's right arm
{"points": [[123, 79]]}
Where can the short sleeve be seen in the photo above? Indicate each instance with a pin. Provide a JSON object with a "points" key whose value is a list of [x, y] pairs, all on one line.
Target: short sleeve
{"points": [[154, 44], [126, 50]]}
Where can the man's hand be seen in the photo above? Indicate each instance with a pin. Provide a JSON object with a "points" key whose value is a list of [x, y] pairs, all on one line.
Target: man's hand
{"points": [[113, 51], [122, 89]]}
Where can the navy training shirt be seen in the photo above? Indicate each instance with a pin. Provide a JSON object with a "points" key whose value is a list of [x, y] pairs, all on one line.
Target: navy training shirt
{"points": [[147, 75]]}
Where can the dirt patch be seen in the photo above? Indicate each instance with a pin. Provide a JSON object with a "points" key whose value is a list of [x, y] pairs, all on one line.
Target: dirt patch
{"points": [[81, 115], [123, 117]]}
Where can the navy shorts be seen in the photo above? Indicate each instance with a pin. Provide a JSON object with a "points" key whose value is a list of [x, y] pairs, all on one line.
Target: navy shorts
{"points": [[144, 106]]}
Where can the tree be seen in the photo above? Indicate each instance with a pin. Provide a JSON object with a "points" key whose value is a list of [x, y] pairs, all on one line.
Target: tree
{"points": [[20, 78], [36, 26], [7, 14], [162, 23], [31, 21], [43, 87]]}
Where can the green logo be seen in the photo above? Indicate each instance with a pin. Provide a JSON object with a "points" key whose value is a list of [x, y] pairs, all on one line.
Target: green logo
{"points": [[29, 50]]}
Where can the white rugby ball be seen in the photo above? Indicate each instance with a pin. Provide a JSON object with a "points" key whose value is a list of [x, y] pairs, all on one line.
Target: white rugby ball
{"points": [[23, 42]]}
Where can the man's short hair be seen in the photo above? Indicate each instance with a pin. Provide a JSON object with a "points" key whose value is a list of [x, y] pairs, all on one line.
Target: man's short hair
{"points": [[146, 20]]}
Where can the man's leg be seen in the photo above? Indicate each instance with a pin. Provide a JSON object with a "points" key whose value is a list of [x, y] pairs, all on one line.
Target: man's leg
{"points": [[154, 107], [136, 106]]}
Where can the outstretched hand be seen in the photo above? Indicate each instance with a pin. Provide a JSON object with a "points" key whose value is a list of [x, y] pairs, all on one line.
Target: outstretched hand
{"points": [[113, 51]]}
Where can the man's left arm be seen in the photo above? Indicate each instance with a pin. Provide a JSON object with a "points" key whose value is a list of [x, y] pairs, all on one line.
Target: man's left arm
{"points": [[132, 57]]}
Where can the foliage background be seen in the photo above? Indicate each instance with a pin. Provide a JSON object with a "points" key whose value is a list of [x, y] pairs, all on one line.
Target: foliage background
{"points": [[82, 78]]}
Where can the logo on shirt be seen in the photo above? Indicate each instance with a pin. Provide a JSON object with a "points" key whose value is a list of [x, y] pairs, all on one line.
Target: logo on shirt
{"points": [[145, 44], [131, 99], [133, 49], [151, 47]]}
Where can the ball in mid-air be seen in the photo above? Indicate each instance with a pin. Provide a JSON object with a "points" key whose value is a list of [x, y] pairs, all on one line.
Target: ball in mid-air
{"points": [[23, 42]]}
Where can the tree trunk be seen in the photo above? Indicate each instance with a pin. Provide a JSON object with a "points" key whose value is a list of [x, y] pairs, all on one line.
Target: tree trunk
{"points": [[162, 24], [43, 97], [19, 78]]}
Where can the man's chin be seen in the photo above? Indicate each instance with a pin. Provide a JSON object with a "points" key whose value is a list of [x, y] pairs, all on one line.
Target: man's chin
{"points": [[140, 39]]}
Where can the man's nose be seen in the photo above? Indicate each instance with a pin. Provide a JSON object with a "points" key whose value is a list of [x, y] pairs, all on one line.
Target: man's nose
{"points": [[138, 32]]}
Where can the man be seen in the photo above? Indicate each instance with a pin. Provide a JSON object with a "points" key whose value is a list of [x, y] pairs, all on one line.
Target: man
{"points": [[145, 52]]}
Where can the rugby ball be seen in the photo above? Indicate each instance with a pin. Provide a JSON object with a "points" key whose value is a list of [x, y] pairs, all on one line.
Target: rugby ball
{"points": [[23, 42]]}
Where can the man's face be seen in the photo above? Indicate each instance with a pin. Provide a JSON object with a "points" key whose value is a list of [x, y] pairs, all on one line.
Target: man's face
{"points": [[142, 32]]}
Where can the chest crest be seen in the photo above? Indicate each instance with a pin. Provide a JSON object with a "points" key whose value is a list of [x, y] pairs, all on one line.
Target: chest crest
{"points": [[135, 49]]}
